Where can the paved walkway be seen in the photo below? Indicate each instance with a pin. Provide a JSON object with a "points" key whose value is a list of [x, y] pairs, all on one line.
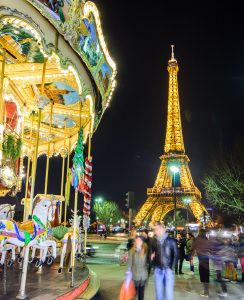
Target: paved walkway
{"points": [[45, 286], [186, 287]]}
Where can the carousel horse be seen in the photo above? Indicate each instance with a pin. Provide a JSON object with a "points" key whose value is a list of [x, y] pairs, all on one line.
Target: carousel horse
{"points": [[32, 232], [50, 254], [72, 238], [7, 213]]}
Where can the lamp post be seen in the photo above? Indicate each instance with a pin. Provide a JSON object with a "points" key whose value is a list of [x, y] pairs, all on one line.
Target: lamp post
{"points": [[97, 224], [175, 170], [187, 202]]}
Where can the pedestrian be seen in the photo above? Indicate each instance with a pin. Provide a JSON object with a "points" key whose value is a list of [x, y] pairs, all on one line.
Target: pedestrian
{"points": [[217, 254], [203, 250], [131, 239], [164, 255], [241, 253], [138, 265], [230, 260], [190, 251], [181, 243]]}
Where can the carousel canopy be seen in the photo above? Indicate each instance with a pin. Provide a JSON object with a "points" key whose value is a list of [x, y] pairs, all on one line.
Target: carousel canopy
{"points": [[78, 69]]}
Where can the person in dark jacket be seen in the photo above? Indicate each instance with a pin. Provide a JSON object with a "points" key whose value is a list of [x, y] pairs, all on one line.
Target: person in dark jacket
{"points": [[131, 239], [202, 247], [181, 243], [164, 255], [190, 251]]}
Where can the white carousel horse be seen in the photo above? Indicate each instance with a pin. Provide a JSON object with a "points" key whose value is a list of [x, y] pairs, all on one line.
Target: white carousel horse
{"points": [[32, 232], [73, 239], [52, 253], [7, 213]]}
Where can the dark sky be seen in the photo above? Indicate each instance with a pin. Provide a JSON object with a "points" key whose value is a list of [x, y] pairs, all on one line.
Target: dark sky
{"points": [[209, 47]]}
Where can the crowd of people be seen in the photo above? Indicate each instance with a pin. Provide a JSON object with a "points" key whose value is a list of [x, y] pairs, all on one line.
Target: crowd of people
{"points": [[163, 253]]}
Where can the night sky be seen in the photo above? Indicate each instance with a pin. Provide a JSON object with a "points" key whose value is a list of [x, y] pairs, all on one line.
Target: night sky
{"points": [[209, 47]]}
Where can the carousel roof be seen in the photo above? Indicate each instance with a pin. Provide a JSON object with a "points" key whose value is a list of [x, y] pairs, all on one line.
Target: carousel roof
{"points": [[27, 43], [53, 52]]}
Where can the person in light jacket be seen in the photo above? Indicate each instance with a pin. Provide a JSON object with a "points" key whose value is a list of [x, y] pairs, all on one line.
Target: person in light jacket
{"points": [[138, 265]]}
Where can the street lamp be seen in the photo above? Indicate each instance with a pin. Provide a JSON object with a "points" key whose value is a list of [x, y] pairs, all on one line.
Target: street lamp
{"points": [[175, 170], [187, 202], [99, 200], [97, 224]]}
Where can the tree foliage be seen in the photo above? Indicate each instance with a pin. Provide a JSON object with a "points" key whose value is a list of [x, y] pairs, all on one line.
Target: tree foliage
{"points": [[179, 219], [224, 183], [107, 212]]}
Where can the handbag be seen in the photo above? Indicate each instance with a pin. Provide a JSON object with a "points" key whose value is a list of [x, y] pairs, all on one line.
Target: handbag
{"points": [[128, 290]]}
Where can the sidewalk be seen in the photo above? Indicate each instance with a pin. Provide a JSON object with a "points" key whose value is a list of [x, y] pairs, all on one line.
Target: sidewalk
{"points": [[47, 285]]}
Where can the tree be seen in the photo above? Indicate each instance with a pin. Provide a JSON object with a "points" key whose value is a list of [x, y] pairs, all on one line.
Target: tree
{"points": [[179, 219], [224, 184], [107, 212]]}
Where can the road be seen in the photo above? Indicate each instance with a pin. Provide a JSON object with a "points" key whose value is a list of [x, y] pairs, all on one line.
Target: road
{"points": [[188, 287]]}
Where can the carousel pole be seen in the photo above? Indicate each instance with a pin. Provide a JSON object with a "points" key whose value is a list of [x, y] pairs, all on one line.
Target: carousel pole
{"points": [[22, 294], [89, 156], [28, 174], [63, 154], [67, 183], [1, 86], [75, 220], [2, 103], [48, 148]]}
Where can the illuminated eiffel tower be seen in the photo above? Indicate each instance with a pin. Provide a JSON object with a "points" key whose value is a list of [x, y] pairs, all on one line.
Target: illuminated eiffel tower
{"points": [[171, 187]]}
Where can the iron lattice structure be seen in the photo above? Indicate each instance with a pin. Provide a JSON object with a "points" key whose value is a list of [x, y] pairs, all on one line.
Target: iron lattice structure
{"points": [[160, 197]]}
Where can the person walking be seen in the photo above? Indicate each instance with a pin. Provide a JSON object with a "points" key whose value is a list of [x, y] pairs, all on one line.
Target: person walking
{"points": [[138, 265], [181, 253], [241, 253], [131, 239], [217, 254], [190, 251], [230, 260], [203, 249], [164, 257]]}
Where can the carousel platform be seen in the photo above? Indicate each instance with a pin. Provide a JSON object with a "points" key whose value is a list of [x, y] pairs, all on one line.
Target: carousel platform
{"points": [[47, 284]]}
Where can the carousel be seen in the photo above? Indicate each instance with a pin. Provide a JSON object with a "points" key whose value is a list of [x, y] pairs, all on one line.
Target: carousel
{"points": [[57, 80]]}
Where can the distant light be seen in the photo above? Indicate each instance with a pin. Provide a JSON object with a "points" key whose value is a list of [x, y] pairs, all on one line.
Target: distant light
{"points": [[174, 169], [99, 200]]}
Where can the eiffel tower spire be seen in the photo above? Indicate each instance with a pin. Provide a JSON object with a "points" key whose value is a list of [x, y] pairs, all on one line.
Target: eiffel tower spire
{"points": [[174, 138]]}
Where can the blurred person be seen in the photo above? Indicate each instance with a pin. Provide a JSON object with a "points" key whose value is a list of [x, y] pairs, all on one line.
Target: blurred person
{"points": [[138, 265], [164, 255], [131, 239], [181, 253], [203, 250], [241, 253], [217, 253], [230, 256], [190, 251]]}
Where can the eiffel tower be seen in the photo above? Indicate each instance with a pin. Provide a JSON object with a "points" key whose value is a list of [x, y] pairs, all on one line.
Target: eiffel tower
{"points": [[170, 186]]}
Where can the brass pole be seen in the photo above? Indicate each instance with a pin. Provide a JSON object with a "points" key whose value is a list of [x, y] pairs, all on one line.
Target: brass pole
{"points": [[28, 171], [48, 148], [67, 177], [1, 87], [22, 294], [62, 189], [34, 163]]}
